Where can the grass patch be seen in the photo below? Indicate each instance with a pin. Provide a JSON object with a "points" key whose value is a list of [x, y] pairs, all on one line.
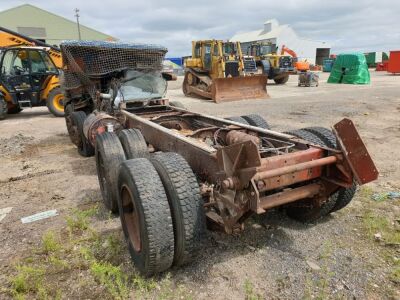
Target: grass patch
{"points": [[49, 243], [80, 219], [374, 223], [115, 281], [29, 279], [249, 293], [97, 264]]}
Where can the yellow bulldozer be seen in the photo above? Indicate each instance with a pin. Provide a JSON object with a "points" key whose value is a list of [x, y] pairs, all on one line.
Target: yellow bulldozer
{"points": [[276, 66], [219, 71], [29, 74]]}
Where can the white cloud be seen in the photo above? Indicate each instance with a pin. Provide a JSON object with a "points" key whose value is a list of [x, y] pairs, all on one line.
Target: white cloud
{"points": [[363, 25]]}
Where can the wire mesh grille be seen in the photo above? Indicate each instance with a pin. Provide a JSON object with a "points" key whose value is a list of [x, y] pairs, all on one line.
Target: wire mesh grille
{"points": [[88, 60]]}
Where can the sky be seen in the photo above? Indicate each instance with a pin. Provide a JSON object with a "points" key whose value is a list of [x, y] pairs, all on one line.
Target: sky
{"points": [[348, 25]]}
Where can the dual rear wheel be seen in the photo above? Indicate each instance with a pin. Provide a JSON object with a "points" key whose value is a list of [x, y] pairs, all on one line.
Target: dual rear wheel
{"points": [[157, 198]]}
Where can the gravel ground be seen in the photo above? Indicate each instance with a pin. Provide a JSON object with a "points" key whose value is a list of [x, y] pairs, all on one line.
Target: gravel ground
{"points": [[275, 257]]}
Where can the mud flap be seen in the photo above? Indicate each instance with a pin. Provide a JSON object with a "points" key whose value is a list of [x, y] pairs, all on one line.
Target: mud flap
{"points": [[239, 88], [355, 152]]}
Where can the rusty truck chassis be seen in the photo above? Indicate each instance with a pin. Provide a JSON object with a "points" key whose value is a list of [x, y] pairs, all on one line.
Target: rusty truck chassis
{"points": [[244, 169]]}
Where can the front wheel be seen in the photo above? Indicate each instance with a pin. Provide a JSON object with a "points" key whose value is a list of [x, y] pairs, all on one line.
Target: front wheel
{"points": [[55, 102], [84, 147], [3, 108], [282, 80]]}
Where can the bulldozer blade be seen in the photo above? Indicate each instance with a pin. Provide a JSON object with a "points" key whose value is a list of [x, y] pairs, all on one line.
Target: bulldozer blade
{"points": [[239, 88]]}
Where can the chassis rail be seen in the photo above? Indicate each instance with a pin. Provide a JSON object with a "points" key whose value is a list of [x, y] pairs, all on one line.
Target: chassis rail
{"points": [[238, 178]]}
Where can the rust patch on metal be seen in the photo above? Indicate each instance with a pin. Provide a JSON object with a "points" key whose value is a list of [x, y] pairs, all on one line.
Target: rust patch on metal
{"points": [[355, 152]]}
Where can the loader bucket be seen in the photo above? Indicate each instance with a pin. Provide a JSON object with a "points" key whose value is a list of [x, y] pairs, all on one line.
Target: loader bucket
{"points": [[239, 88]]}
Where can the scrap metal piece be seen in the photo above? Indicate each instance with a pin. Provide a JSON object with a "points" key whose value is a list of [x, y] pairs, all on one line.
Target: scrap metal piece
{"points": [[355, 152], [39, 216]]}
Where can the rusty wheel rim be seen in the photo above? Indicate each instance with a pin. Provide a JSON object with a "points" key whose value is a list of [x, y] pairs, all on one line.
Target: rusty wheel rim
{"points": [[130, 218]]}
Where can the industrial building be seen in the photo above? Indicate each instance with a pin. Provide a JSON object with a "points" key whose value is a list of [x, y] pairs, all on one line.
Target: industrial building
{"points": [[45, 26], [279, 35]]}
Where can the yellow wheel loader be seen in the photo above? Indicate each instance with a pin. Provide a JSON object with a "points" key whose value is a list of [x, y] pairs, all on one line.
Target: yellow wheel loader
{"points": [[276, 67], [218, 70], [29, 74]]}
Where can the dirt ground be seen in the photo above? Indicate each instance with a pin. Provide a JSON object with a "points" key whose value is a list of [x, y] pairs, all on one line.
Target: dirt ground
{"points": [[346, 256]]}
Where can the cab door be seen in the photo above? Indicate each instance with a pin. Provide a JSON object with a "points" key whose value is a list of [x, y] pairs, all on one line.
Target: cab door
{"points": [[42, 70], [207, 56], [216, 60], [15, 75]]}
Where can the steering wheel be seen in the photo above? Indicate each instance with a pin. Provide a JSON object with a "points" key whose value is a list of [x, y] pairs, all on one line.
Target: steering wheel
{"points": [[18, 69]]}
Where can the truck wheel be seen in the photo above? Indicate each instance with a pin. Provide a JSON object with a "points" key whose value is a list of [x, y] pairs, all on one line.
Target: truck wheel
{"points": [[282, 80], [55, 102], [186, 204], [3, 108], [145, 216], [238, 120], [109, 155], [256, 120], [84, 147], [68, 122], [177, 104], [133, 143], [304, 211], [343, 195]]}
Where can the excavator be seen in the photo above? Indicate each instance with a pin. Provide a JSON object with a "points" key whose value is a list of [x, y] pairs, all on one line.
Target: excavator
{"points": [[29, 74], [276, 67], [300, 66], [219, 71]]}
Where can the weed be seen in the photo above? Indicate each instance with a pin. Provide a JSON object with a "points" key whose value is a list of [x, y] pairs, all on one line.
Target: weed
{"points": [[49, 243], [365, 192], [79, 221], [143, 285], [249, 291], [58, 263], [115, 281], [28, 279]]}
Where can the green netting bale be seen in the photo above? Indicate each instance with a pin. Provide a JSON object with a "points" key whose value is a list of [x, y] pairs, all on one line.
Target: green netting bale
{"points": [[350, 68]]}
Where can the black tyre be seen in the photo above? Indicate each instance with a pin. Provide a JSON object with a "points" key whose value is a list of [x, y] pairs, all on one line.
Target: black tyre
{"points": [[109, 155], [282, 80], [238, 120], [304, 210], [145, 216], [68, 110], [186, 204], [55, 102], [177, 104], [133, 143], [84, 147], [14, 110], [3, 108], [343, 195], [256, 120]]}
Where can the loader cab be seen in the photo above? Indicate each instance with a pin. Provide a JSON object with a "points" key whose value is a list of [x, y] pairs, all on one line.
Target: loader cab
{"points": [[24, 72], [232, 56]]}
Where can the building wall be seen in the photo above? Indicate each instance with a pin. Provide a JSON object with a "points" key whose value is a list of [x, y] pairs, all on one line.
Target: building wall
{"points": [[305, 49], [284, 35], [56, 28]]}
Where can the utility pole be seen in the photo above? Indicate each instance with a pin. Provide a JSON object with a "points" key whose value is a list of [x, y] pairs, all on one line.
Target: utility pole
{"points": [[77, 22]]}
